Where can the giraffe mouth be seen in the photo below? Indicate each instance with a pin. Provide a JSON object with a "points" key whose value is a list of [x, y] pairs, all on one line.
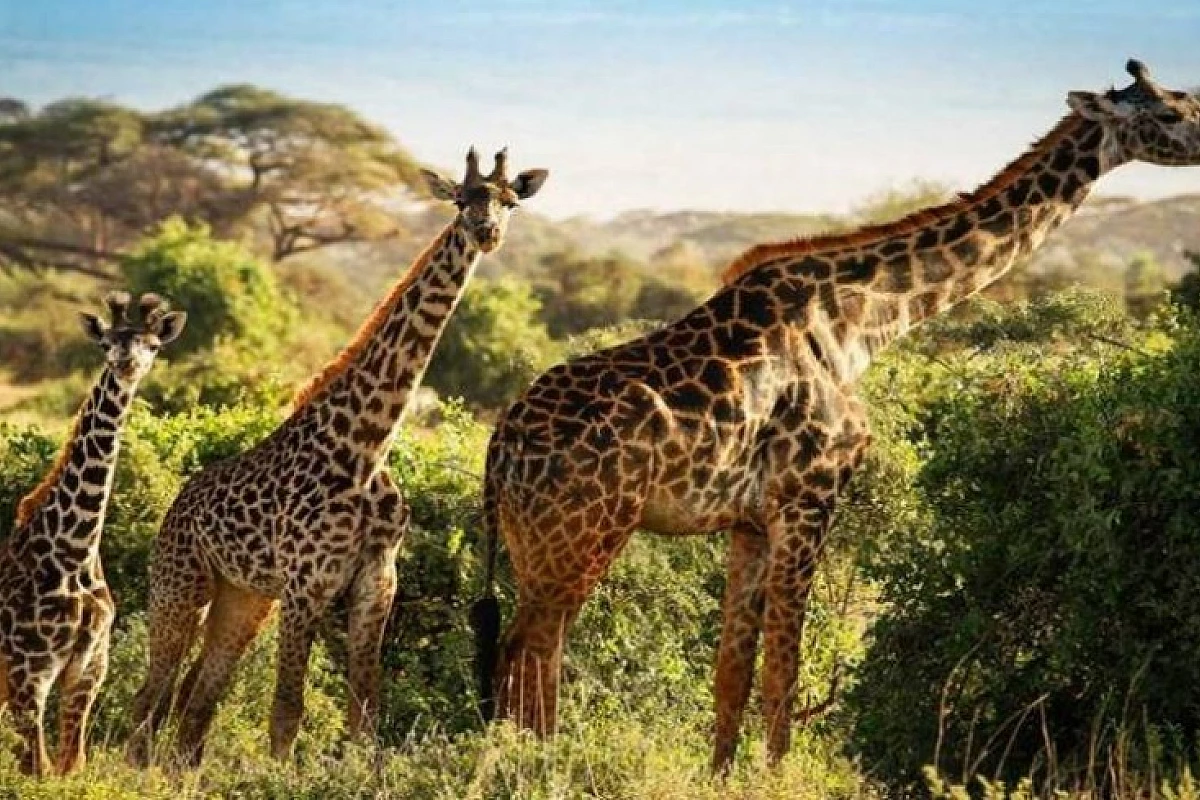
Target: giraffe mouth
{"points": [[124, 368]]}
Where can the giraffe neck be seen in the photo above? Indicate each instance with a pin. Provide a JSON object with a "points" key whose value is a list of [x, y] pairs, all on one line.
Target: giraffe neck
{"points": [[70, 504], [364, 404], [883, 285]]}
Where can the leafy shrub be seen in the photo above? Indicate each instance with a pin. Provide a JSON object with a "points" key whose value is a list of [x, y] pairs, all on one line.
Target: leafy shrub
{"points": [[226, 291], [1051, 604], [492, 346]]}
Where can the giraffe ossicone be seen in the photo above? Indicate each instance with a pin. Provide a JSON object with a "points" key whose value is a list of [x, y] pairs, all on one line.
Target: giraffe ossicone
{"points": [[310, 513], [743, 416], [56, 611]]}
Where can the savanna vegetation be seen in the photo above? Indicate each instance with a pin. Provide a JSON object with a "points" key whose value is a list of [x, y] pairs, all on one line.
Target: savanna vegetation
{"points": [[1010, 604]]}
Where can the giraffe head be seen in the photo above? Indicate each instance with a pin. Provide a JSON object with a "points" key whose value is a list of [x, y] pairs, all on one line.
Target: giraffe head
{"points": [[1144, 121], [129, 346], [485, 203]]}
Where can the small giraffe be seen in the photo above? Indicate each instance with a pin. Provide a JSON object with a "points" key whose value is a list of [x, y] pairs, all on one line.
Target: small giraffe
{"points": [[310, 513], [55, 608], [743, 416]]}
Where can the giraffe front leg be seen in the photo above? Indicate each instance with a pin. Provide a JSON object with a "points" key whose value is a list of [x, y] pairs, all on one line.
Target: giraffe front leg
{"points": [[385, 523], [741, 622], [794, 540], [81, 682], [27, 693]]}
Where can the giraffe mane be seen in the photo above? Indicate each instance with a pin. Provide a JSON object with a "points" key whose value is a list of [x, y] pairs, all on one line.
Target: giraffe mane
{"points": [[36, 498], [868, 234], [330, 372]]}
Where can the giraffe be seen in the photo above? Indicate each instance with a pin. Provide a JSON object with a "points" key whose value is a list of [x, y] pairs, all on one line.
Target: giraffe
{"points": [[743, 415], [56, 611], [310, 513]]}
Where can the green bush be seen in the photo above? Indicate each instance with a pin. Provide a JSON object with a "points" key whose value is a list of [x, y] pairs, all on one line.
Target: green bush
{"points": [[1051, 608], [157, 453], [493, 345], [226, 291]]}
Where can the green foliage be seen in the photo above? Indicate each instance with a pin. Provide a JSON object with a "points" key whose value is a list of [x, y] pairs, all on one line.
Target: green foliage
{"points": [[239, 321], [1145, 284], [25, 455], [1050, 601], [1186, 293], [225, 290], [157, 453], [1075, 317], [492, 346], [227, 374], [580, 293]]}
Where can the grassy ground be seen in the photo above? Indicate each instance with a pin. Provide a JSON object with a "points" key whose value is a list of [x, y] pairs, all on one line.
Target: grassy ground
{"points": [[609, 760]]}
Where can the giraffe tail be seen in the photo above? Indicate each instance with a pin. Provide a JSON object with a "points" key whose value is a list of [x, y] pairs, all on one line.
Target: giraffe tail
{"points": [[485, 612]]}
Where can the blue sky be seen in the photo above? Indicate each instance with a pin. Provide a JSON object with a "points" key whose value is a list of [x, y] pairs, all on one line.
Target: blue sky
{"points": [[666, 104]]}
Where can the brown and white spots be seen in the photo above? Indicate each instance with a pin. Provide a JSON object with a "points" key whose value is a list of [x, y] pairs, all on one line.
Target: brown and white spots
{"points": [[309, 514], [55, 607], [764, 450]]}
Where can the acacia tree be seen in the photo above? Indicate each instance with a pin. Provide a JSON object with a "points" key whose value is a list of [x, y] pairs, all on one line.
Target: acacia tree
{"points": [[82, 179], [50, 163], [317, 171]]}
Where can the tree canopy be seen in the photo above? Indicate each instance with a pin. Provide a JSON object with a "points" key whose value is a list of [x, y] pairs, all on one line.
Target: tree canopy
{"points": [[81, 179]]}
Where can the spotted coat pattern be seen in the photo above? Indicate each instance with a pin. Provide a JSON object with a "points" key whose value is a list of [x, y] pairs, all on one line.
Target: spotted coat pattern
{"points": [[309, 514], [56, 610], [743, 417]]}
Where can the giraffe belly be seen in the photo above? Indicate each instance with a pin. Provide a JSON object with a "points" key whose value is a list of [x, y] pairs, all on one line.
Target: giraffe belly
{"points": [[697, 500]]}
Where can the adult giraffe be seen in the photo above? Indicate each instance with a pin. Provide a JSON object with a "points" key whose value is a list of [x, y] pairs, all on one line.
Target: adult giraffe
{"points": [[310, 513], [56, 611], [742, 416]]}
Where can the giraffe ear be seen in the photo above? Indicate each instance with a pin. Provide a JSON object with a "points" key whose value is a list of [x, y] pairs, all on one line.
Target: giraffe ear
{"points": [[1093, 106], [529, 182], [439, 187], [170, 326], [93, 326]]}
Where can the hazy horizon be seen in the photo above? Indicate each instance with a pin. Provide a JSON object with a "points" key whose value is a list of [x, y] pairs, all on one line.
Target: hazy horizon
{"points": [[665, 106]]}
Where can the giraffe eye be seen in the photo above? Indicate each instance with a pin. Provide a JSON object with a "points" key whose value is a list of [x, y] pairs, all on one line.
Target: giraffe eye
{"points": [[1168, 117]]}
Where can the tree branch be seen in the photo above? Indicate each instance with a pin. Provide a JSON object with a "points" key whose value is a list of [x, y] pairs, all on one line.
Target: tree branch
{"points": [[61, 247], [14, 252]]}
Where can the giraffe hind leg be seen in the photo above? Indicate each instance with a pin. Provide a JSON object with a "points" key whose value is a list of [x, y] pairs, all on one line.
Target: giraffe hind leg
{"points": [[371, 597], [551, 594], [528, 677], [179, 599], [234, 620], [741, 623]]}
